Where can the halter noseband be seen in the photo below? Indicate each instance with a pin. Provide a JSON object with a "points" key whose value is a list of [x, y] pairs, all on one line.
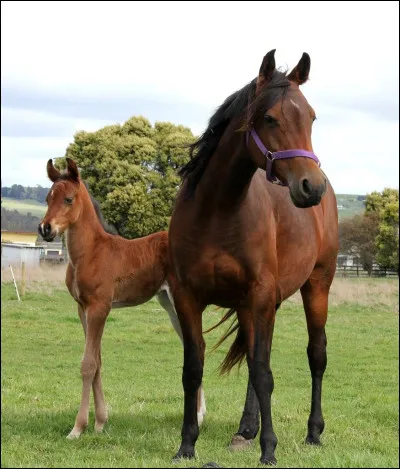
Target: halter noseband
{"points": [[278, 155]]}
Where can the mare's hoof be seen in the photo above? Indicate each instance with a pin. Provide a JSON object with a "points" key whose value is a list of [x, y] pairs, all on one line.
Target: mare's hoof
{"points": [[315, 441], [270, 461], [239, 443], [211, 464], [183, 455]]}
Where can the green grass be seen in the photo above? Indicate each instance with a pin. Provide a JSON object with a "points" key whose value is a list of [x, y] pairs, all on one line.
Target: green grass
{"points": [[42, 344], [24, 206]]}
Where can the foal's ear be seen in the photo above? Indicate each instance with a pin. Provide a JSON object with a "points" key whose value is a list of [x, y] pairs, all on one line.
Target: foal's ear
{"points": [[301, 71], [72, 169], [266, 70], [52, 172]]}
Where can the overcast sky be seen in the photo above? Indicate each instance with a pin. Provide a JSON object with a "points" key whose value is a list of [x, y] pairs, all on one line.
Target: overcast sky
{"points": [[69, 66]]}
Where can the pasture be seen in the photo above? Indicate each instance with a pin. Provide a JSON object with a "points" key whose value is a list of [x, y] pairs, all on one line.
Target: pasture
{"points": [[42, 344]]}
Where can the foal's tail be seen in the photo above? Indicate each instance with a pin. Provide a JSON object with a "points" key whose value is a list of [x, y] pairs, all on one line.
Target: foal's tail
{"points": [[237, 351]]}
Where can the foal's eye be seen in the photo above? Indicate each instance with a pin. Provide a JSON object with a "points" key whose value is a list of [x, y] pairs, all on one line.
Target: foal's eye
{"points": [[68, 201], [270, 120]]}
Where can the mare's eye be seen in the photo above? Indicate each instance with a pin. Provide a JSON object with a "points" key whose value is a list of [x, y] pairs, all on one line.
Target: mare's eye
{"points": [[270, 120], [68, 201]]}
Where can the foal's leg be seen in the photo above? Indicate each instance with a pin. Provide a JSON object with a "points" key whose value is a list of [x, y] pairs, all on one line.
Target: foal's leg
{"points": [[315, 299], [189, 312], [166, 301], [94, 317], [100, 407], [259, 343]]}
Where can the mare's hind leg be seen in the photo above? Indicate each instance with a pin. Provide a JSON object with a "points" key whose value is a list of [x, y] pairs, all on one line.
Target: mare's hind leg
{"points": [[315, 299], [94, 319], [166, 301]]}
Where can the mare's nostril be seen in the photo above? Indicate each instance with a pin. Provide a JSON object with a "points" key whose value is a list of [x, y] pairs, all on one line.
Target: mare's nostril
{"points": [[306, 187]]}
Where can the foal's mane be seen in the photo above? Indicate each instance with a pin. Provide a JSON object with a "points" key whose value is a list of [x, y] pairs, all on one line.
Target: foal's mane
{"points": [[108, 228], [242, 104]]}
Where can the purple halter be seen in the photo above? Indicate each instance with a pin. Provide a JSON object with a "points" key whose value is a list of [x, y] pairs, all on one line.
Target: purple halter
{"points": [[278, 155]]}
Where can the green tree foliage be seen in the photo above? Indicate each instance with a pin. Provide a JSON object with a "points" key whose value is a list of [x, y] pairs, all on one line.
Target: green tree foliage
{"points": [[385, 205], [357, 237], [131, 170]]}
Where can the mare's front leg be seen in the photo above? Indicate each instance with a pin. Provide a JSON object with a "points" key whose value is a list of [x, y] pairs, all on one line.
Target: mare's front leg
{"points": [[190, 318], [315, 294], [167, 302], [250, 422], [259, 342], [93, 319]]}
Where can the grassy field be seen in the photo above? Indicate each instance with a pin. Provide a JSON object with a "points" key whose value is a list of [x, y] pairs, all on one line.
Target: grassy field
{"points": [[42, 344], [24, 206]]}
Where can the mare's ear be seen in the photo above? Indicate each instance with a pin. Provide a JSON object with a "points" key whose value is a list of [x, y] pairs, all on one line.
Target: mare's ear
{"points": [[301, 71], [72, 169], [52, 173], [266, 70]]}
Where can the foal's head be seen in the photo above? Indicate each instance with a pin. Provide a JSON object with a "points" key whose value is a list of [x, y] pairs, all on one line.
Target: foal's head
{"points": [[283, 119], [64, 200]]}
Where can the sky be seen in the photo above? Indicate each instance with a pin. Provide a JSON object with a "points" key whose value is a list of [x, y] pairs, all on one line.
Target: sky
{"points": [[69, 66]]}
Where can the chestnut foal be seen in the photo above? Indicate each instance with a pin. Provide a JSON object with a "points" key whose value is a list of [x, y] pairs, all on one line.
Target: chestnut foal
{"points": [[105, 271]]}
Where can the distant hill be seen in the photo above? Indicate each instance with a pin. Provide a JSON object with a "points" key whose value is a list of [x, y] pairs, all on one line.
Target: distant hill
{"points": [[24, 206], [348, 205]]}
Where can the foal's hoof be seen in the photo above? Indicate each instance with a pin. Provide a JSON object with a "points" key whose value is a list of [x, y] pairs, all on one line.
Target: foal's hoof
{"points": [[211, 464], [314, 441], [98, 427], [239, 443], [268, 461], [73, 435]]}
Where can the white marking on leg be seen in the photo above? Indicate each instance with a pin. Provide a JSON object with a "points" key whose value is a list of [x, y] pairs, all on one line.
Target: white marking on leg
{"points": [[295, 104], [202, 411]]}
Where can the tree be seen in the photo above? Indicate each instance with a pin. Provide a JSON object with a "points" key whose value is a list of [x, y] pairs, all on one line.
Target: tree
{"points": [[357, 236], [386, 207], [131, 170]]}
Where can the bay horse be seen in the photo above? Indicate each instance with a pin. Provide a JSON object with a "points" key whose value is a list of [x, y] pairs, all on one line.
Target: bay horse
{"points": [[105, 271], [255, 220]]}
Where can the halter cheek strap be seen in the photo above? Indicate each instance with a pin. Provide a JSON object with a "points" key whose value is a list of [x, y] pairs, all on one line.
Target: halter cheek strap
{"points": [[278, 155]]}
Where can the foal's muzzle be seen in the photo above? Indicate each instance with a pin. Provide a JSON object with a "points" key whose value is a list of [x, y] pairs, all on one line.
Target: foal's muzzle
{"points": [[45, 232]]}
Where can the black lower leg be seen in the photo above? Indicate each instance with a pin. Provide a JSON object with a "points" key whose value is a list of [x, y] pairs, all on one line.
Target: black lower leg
{"points": [[191, 380], [250, 421], [317, 360], [263, 382]]}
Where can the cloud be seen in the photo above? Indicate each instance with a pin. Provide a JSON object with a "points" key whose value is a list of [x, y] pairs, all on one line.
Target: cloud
{"points": [[68, 66]]}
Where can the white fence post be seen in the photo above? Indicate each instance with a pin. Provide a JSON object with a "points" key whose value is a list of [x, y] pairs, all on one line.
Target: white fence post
{"points": [[15, 283]]}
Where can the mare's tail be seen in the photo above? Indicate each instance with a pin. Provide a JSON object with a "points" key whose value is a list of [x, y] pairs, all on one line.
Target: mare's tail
{"points": [[237, 351]]}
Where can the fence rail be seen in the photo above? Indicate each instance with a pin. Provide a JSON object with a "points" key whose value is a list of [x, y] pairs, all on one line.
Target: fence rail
{"points": [[358, 271]]}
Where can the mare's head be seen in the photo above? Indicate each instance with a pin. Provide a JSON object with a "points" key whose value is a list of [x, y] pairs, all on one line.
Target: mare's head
{"points": [[282, 119], [64, 200]]}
